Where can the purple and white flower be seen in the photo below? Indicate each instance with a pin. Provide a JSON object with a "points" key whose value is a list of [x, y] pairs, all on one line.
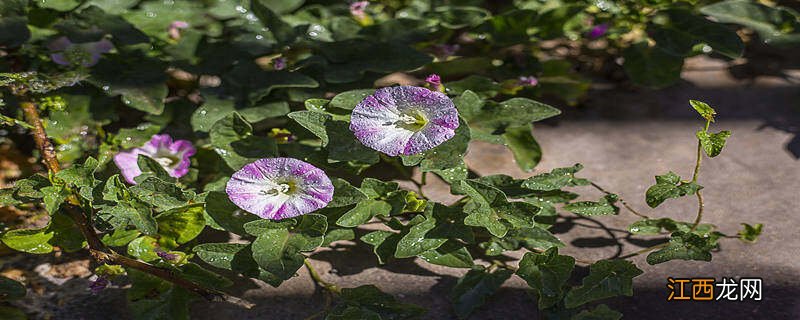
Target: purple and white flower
{"points": [[98, 285], [174, 29], [173, 156], [530, 81], [358, 8], [597, 31], [279, 188], [279, 63], [86, 54], [404, 120], [434, 82]]}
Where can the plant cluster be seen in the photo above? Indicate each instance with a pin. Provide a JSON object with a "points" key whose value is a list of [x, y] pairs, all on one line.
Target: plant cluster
{"points": [[160, 121]]}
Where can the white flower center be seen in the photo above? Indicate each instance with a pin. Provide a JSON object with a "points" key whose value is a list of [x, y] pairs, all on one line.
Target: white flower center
{"points": [[279, 189], [407, 119], [165, 162], [412, 120]]}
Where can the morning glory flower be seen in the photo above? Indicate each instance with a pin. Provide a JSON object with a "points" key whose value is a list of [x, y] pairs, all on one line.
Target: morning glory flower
{"points": [[597, 31], [404, 120], [528, 81], [85, 54], [172, 155], [279, 188], [98, 285], [434, 82], [279, 63], [174, 29]]}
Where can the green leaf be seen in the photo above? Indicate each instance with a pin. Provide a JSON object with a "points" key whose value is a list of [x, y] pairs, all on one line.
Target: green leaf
{"points": [[136, 137], [705, 111], [451, 254], [350, 60], [527, 152], [151, 168], [496, 117], [345, 194], [607, 278], [479, 86], [530, 238], [775, 25], [221, 211], [204, 277], [368, 302], [489, 206], [678, 30], [144, 248], [120, 237], [601, 312], [654, 226], [448, 155], [363, 212], [11, 289], [669, 186], [683, 246], [556, 179], [92, 23], [161, 194], [441, 223], [482, 214], [282, 31], [79, 175], [594, 208], [171, 305], [53, 197], [233, 139], [277, 246], [349, 99], [468, 104], [547, 273], [180, 225], [214, 109], [314, 122], [651, 66], [472, 290], [138, 79], [384, 243], [713, 143], [29, 189], [343, 145], [750, 233], [220, 255], [134, 212], [29, 240], [60, 231]]}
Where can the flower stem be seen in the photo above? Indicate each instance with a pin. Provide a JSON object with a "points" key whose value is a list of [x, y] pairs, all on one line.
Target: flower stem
{"points": [[318, 279], [97, 249], [694, 180], [645, 250]]}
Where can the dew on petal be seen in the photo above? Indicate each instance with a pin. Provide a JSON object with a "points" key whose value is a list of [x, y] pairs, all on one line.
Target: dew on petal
{"points": [[404, 120], [279, 188]]}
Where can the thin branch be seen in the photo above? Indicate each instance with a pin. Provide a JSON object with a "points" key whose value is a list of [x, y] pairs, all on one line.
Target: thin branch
{"points": [[318, 279], [699, 211], [40, 137], [97, 249], [696, 173], [645, 250], [622, 201]]}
